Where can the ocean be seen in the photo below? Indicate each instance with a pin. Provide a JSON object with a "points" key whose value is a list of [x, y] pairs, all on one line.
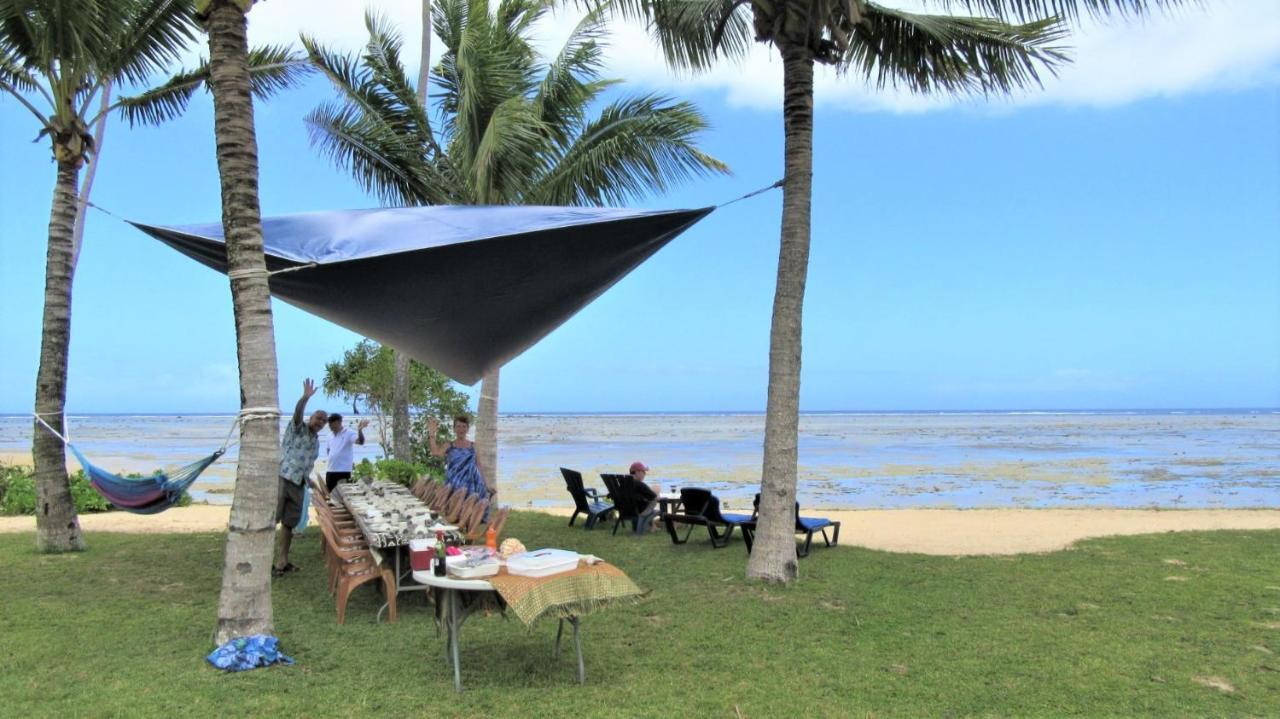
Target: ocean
{"points": [[1174, 459]]}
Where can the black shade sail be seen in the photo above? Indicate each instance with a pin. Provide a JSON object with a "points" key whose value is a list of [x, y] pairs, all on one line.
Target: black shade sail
{"points": [[460, 289]]}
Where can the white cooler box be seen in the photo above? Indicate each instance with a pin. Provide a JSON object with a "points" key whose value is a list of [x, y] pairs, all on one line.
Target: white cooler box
{"points": [[542, 562]]}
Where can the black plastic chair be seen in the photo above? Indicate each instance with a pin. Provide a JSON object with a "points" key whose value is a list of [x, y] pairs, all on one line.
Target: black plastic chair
{"points": [[807, 526], [630, 507], [585, 499], [702, 508]]}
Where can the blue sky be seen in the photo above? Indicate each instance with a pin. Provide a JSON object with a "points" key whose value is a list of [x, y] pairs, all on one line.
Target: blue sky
{"points": [[1107, 245]]}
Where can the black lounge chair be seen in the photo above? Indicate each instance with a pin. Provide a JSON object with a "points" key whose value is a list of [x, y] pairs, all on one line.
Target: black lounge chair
{"points": [[631, 507], [807, 526], [700, 507], [585, 499]]}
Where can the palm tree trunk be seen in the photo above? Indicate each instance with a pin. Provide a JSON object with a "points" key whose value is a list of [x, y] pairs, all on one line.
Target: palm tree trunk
{"points": [[401, 446], [400, 410], [774, 556], [244, 606], [424, 68], [82, 207], [57, 527], [487, 428]]}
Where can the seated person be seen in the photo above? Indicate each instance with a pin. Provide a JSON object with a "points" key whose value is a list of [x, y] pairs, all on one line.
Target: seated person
{"points": [[646, 497]]}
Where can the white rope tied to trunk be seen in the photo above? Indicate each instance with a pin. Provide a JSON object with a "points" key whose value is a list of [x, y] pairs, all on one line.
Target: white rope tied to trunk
{"points": [[249, 413], [262, 271], [49, 427]]}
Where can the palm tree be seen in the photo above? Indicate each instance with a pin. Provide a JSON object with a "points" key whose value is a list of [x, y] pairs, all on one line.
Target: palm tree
{"points": [[400, 406], [925, 53], [514, 130], [244, 605], [62, 53]]}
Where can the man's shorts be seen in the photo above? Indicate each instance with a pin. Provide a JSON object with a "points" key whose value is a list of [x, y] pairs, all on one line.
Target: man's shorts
{"points": [[331, 479], [289, 504]]}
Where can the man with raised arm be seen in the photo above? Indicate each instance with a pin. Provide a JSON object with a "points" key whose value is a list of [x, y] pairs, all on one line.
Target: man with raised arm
{"points": [[299, 448], [342, 451]]}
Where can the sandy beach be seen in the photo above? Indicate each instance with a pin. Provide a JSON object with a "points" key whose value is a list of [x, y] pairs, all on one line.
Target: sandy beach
{"points": [[947, 532]]}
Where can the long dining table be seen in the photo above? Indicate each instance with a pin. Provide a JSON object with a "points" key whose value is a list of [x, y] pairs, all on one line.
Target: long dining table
{"points": [[390, 516]]}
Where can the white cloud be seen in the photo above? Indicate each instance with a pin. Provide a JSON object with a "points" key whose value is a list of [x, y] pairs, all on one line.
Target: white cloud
{"points": [[1223, 45]]}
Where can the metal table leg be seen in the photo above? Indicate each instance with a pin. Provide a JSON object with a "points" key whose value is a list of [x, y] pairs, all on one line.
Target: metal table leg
{"points": [[387, 604], [577, 644], [454, 627]]}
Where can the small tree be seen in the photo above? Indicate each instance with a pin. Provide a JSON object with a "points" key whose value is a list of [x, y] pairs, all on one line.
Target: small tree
{"points": [[366, 374]]}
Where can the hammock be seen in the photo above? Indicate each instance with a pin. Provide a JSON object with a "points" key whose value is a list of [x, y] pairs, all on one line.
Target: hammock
{"points": [[144, 495], [141, 495]]}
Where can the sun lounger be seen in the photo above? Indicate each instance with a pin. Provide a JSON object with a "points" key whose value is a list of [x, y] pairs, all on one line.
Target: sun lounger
{"points": [[807, 526], [699, 507]]}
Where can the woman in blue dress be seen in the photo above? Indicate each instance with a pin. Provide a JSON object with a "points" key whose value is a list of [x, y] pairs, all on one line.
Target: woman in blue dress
{"points": [[460, 466]]}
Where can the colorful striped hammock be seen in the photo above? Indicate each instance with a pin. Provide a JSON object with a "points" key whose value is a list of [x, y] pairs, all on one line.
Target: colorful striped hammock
{"points": [[141, 495]]}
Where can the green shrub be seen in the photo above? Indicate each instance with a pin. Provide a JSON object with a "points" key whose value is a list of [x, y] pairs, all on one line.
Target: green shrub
{"points": [[364, 470], [7, 474], [86, 498], [392, 470], [20, 497]]}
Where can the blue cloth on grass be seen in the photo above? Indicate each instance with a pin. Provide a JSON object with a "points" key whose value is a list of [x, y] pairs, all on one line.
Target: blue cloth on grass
{"points": [[237, 655]]}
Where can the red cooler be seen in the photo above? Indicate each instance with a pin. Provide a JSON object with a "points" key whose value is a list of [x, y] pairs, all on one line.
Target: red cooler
{"points": [[421, 552]]}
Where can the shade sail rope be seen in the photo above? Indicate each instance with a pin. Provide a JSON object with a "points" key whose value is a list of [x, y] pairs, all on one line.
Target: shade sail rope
{"points": [[263, 272], [753, 193]]}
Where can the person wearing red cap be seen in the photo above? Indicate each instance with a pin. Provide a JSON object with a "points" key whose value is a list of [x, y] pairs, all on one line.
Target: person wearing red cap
{"points": [[645, 495]]}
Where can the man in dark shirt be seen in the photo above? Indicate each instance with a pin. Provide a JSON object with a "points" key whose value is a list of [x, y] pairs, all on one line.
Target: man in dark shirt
{"points": [[646, 498]]}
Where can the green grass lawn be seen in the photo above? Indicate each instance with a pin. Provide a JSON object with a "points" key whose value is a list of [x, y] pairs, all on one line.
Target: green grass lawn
{"points": [[1116, 627]]}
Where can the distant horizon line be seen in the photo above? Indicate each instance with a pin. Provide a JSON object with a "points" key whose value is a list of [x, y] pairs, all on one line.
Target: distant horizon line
{"points": [[570, 413]]}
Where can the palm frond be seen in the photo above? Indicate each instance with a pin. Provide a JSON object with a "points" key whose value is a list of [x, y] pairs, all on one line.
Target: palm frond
{"points": [[18, 35], [377, 130], [693, 34], [272, 68], [14, 74], [944, 53], [163, 102], [1073, 10], [508, 152], [355, 83], [380, 160], [154, 34], [572, 80], [382, 59], [514, 18], [275, 68], [489, 68], [636, 146]]}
